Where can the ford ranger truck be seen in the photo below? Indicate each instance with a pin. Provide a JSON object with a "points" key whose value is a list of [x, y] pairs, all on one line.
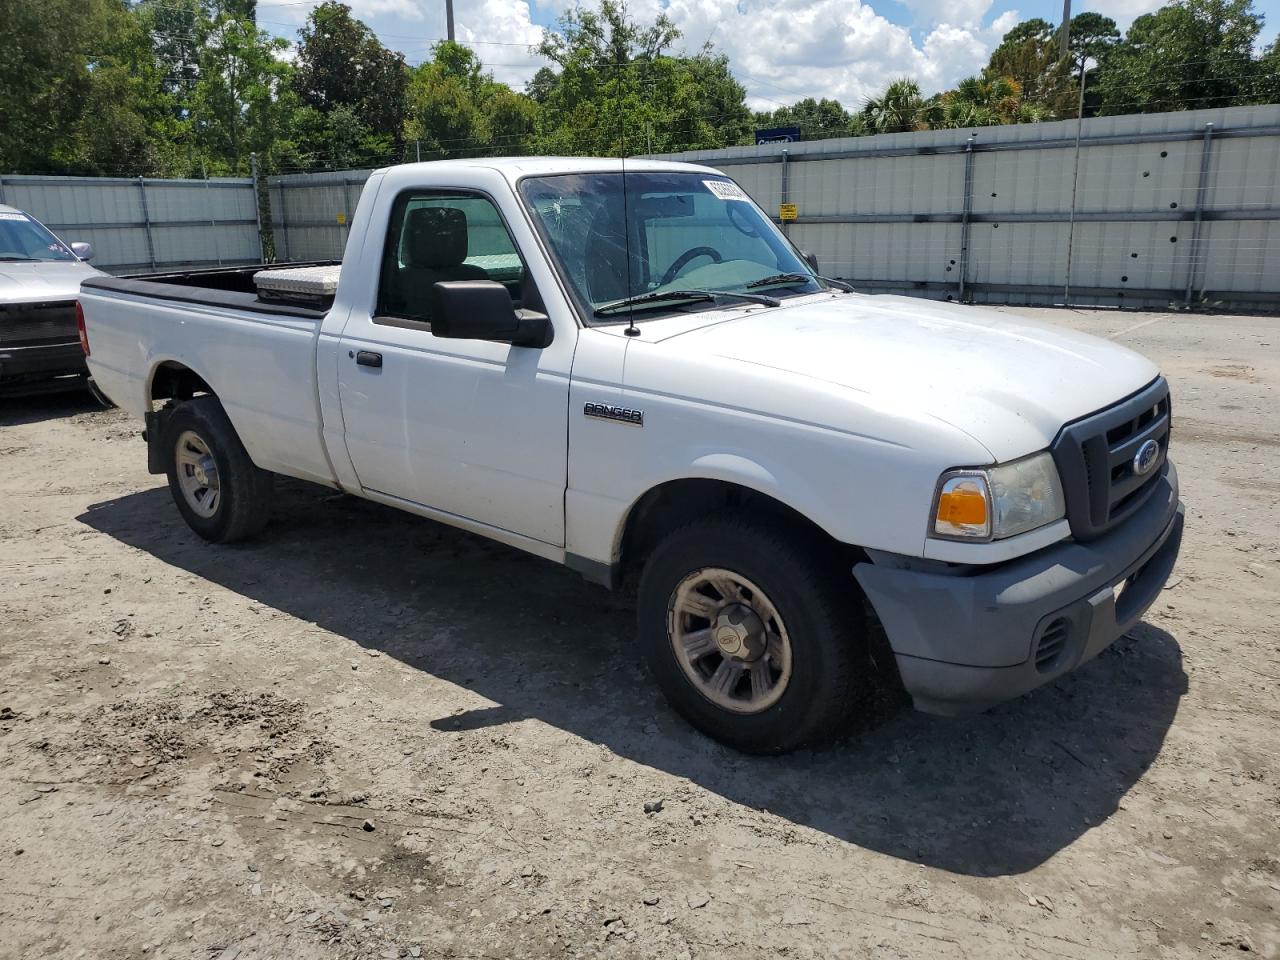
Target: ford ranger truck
{"points": [[626, 368]]}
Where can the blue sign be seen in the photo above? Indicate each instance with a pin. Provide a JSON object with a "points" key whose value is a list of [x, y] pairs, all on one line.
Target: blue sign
{"points": [[778, 135]]}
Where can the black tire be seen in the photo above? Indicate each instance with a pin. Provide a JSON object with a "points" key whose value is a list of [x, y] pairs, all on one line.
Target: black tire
{"points": [[832, 677], [243, 506]]}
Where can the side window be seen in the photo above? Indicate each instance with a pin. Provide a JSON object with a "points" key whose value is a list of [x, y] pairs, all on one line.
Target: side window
{"points": [[434, 237]]}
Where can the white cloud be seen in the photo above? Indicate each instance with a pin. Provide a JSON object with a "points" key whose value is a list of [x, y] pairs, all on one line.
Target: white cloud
{"points": [[502, 32], [781, 51], [834, 48]]}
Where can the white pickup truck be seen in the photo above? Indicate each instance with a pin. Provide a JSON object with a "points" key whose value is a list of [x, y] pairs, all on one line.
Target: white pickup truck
{"points": [[631, 371]]}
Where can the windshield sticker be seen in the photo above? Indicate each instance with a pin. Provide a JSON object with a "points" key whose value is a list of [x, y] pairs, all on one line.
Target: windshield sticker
{"points": [[725, 190], [14, 216]]}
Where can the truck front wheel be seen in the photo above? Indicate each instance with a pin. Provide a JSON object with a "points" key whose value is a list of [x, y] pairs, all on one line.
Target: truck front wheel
{"points": [[219, 491], [753, 635]]}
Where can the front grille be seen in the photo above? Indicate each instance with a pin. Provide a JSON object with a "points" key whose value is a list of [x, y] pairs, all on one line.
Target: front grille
{"points": [[1095, 458], [1051, 644], [32, 324]]}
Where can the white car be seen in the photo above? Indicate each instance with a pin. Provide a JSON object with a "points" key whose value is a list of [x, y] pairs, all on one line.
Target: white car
{"points": [[39, 281], [628, 369]]}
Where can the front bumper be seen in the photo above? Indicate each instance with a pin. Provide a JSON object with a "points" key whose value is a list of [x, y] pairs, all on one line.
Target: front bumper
{"points": [[968, 640]]}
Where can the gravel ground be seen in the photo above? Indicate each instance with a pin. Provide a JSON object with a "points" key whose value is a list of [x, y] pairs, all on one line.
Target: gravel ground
{"points": [[367, 735]]}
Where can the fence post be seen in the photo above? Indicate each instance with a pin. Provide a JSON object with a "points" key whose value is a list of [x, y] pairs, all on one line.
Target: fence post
{"points": [[1194, 256], [284, 217], [257, 206], [146, 222], [1075, 189], [964, 217], [1, 188], [213, 223], [346, 215]]}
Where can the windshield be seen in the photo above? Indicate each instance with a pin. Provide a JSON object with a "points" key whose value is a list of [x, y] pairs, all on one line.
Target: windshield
{"points": [[22, 238], [689, 233]]}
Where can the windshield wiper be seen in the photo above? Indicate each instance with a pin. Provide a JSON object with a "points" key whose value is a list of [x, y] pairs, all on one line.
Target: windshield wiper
{"points": [[23, 259], [780, 279], [794, 278], [839, 284], [661, 296]]}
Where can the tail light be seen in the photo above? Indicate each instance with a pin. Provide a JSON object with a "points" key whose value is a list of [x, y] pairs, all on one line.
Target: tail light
{"points": [[84, 334]]}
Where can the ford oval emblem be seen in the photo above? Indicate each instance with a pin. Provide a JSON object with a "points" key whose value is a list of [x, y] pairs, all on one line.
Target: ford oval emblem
{"points": [[1146, 458]]}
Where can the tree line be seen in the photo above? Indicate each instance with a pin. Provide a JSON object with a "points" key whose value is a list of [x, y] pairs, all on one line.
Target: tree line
{"points": [[197, 87]]}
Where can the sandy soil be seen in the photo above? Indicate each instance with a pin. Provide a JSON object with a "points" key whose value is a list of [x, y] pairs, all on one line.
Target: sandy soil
{"points": [[367, 735]]}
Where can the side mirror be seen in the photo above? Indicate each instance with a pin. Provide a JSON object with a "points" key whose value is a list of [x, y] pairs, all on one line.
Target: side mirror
{"points": [[811, 259], [82, 249], [482, 310]]}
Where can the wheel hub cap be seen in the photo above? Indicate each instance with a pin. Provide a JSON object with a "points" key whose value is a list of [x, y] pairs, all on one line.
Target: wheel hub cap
{"points": [[206, 471], [729, 640], [739, 632]]}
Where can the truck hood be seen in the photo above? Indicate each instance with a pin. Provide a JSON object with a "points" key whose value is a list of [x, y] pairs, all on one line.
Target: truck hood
{"points": [[1008, 382], [23, 282]]}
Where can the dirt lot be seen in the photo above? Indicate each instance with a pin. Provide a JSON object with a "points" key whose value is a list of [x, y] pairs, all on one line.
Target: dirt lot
{"points": [[367, 735]]}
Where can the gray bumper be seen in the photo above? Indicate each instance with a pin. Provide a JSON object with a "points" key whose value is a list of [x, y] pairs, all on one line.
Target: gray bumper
{"points": [[965, 642]]}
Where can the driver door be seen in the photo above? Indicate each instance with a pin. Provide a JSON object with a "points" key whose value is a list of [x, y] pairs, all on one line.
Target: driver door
{"points": [[472, 429]]}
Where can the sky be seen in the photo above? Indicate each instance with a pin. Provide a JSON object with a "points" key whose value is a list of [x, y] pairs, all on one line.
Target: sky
{"points": [[781, 51]]}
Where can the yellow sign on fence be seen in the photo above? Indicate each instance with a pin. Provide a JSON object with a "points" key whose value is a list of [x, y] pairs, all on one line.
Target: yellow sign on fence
{"points": [[342, 219], [787, 211]]}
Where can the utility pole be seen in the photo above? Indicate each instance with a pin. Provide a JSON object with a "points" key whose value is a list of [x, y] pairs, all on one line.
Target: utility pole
{"points": [[448, 13], [1064, 40]]}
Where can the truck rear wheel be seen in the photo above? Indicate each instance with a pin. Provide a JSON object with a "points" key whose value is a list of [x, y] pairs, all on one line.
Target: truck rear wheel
{"points": [[753, 636], [219, 491]]}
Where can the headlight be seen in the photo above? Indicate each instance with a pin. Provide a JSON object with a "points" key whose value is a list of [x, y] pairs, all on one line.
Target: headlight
{"points": [[1000, 501]]}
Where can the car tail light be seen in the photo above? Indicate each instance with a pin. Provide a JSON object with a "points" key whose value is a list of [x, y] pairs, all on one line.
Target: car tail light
{"points": [[84, 334]]}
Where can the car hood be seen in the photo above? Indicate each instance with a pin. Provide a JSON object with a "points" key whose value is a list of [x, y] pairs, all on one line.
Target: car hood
{"points": [[1008, 382], [22, 282]]}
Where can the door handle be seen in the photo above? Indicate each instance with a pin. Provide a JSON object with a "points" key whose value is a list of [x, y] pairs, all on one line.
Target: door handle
{"points": [[367, 358]]}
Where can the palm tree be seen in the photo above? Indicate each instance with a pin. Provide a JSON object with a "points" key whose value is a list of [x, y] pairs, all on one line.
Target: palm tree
{"points": [[986, 100], [900, 109]]}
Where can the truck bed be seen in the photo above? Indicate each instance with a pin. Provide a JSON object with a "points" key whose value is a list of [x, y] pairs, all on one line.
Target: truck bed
{"points": [[259, 357], [222, 287]]}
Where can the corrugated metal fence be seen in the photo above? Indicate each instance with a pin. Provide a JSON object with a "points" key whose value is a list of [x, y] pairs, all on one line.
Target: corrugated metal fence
{"points": [[311, 212], [1150, 210], [1146, 210], [139, 225]]}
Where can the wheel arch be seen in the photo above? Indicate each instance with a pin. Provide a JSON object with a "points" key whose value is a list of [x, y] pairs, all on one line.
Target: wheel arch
{"points": [[172, 379], [724, 482]]}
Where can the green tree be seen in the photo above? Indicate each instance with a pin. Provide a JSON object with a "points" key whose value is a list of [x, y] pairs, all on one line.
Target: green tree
{"points": [[242, 102], [1092, 37], [1191, 54], [357, 86], [44, 76], [900, 109], [615, 89], [1268, 89], [1028, 55], [129, 119], [817, 119], [983, 101], [456, 108]]}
